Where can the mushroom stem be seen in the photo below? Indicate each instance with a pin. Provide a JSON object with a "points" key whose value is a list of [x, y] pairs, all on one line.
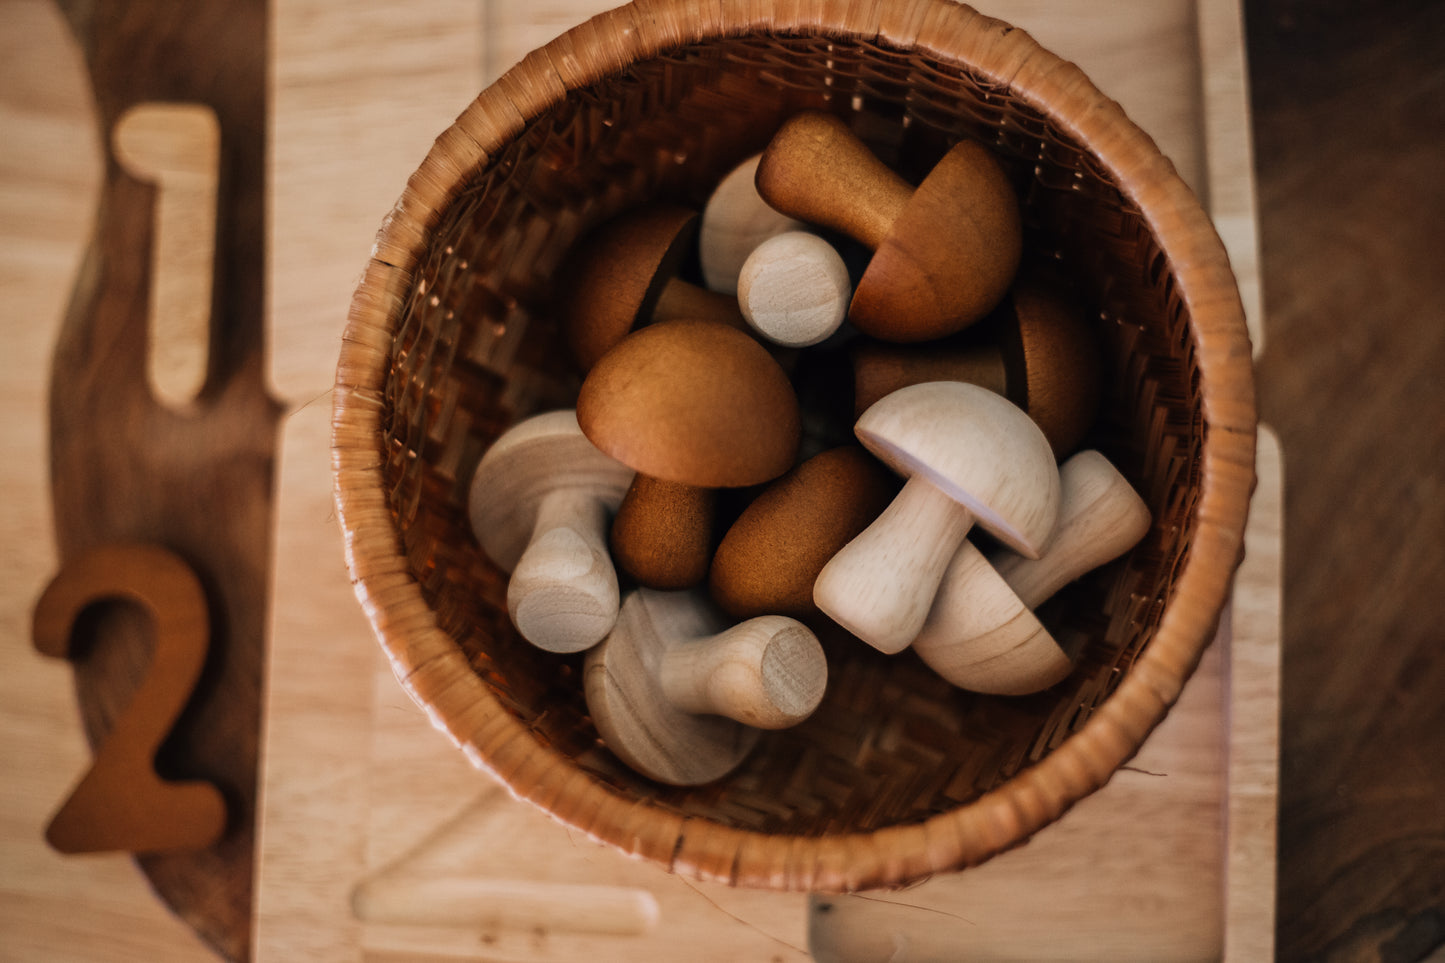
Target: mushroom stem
{"points": [[684, 301], [982, 634], [881, 585], [879, 369], [662, 535], [815, 160], [768, 672], [1102, 518], [563, 594]]}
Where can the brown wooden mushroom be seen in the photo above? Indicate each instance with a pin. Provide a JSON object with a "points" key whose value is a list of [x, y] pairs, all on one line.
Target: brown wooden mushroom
{"points": [[624, 275], [680, 695], [689, 405], [943, 254], [772, 554], [969, 456], [982, 634], [1045, 359]]}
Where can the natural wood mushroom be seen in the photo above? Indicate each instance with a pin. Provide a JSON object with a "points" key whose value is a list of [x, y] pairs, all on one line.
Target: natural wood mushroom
{"points": [[624, 275], [794, 289], [969, 456], [772, 554], [943, 254], [540, 503], [680, 695], [691, 406], [1045, 359], [735, 221], [982, 634]]}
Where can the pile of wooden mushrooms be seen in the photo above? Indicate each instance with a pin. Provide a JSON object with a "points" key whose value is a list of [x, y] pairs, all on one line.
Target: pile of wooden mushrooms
{"points": [[689, 410]]}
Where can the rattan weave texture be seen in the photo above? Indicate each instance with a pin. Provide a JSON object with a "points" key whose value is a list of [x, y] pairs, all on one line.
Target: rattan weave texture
{"points": [[450, 340]]}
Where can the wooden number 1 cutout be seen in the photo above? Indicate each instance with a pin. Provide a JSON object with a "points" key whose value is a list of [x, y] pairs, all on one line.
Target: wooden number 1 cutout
{"points": [[121, 803]]}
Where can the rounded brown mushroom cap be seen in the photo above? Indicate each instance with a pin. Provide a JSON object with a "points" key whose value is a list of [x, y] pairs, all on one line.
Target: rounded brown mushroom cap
{"points": [[694, 402], [1054, 364], [770, 557], [977, 447], [617, 273], [950, 256]]}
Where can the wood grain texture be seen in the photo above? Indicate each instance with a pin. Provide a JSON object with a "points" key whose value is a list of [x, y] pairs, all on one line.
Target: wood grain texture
{"points": [[99, 907], [794, 289], [1348, 101], [195, 479], [679, 694], [981, 632]]}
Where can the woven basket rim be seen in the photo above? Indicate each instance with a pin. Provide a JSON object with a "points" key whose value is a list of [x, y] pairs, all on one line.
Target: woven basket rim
{"points": [[436, 673]]}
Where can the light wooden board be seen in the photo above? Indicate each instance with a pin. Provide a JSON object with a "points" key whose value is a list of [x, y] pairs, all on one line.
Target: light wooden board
{"points": [[361, 796], [52, 907]]}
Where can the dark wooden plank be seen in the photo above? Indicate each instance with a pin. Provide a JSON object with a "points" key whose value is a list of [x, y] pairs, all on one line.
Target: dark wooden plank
{"points": [[197, 481], [1349, 119]]}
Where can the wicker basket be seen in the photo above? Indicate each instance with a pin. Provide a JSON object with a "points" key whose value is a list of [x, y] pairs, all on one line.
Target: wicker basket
{"points": [[450, 340]]}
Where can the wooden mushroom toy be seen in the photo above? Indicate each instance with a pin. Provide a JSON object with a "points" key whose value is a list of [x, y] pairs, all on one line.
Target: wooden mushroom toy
{"points": [[943, 254], [680, 695], [1046, 360], [794, 289], [540, 502], [735, 221], [772, 554], [691, 406], [969, 456], [624, 275], [982, 633]]}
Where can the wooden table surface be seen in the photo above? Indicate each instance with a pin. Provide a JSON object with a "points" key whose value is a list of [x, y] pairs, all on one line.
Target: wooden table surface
{"points": [[1350, 137]]}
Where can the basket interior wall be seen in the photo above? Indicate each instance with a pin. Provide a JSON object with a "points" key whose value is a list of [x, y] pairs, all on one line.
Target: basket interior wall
{"points": [[477, 350]]}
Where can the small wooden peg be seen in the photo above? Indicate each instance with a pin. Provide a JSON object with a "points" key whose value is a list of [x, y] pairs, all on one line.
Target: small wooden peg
{"points": [[694, 403], [734, 222], [540, 502], [121, 803], [624, 275], [944, 254], [969, 456], [680, 696], [794, 289], [982, 634]]}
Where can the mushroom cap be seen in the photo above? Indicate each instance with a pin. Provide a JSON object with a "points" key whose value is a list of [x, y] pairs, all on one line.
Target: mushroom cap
{"points": [[771, 556], [526, 463], [694, 402], [950, 256], [978, 448], [617, 273], [1054, 364]]}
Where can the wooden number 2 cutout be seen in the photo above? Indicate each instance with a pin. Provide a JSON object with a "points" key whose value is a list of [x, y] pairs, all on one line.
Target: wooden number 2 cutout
{"points": [[121, 803]]}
